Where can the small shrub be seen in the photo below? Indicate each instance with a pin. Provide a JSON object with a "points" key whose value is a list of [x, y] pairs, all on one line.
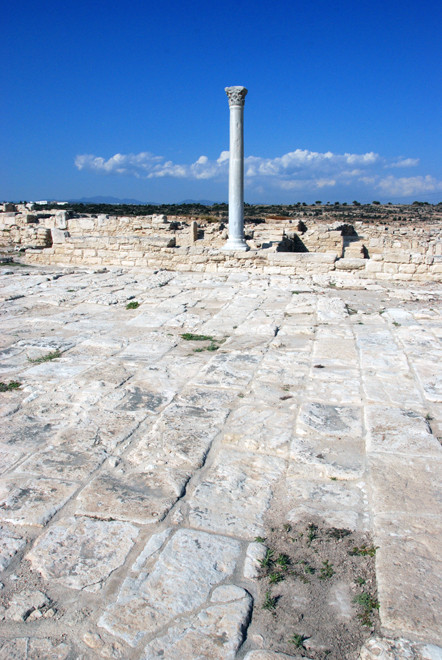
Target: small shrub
{"points": [[132, 305]]}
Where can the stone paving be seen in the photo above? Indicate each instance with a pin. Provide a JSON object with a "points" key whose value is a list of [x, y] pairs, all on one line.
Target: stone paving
{"points": [[137, 469]]}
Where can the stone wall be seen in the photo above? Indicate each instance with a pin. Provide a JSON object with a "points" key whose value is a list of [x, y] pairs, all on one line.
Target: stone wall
{"points": [[374, 251]]}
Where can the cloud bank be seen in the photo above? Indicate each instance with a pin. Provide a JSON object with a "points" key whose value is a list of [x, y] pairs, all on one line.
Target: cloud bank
{"points": [[299, 170]]}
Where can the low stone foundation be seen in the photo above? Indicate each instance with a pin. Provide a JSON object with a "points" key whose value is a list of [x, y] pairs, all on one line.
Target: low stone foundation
{"points": [[362, 250]]}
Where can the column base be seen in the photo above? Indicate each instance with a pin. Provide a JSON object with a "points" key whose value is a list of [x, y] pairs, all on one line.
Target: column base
{"points": [[235, 244]]}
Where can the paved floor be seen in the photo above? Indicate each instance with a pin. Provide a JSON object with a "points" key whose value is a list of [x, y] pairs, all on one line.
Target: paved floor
{"points": [[138, 467]]}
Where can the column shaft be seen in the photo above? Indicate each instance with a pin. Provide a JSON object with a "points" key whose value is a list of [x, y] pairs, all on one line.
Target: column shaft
{"points": [[236, 170]]}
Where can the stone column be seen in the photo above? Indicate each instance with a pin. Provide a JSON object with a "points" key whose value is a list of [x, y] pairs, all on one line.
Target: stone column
{"points": [[236, 169]]}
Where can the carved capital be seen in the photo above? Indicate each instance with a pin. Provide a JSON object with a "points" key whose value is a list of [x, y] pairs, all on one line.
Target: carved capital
{"points": [[236, 95]]}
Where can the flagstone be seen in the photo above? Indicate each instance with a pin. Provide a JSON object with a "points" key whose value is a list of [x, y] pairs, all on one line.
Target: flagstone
{"points": [[32, 501], [81, 553], [175, 580], [215, 633]]}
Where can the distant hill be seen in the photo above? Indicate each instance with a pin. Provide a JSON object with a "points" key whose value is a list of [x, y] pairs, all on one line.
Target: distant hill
{"points": [[204, 202], [101, 199], [110, 200]]}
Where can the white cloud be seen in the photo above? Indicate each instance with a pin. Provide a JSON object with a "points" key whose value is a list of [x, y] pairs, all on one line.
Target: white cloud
{"points": [[405, 162], [406, 186], [300, 169]]}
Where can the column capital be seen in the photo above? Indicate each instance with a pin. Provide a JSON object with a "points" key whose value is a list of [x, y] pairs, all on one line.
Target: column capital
{"points": [[236, 94]]}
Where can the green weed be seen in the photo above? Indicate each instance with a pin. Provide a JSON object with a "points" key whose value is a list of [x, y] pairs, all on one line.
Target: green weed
{"points": [[338, 534], [267, 560], [363, 551], [327, 570], [311, 533], [283, 561], [298, 641], [189, 336], [132, 305], [276, 577], [8, 387], [46, 358], [269, 602], [368, 605]]}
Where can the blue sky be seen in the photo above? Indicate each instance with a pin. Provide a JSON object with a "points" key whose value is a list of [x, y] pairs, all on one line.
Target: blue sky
{"points": [[127, 99]]}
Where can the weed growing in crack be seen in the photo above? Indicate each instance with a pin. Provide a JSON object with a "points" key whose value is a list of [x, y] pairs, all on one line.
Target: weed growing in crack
{"points": [[8, 387], [189, 336], [46, 358], [298, 641], [132, 305], [213, 346], [267, 560], [260, 539]]}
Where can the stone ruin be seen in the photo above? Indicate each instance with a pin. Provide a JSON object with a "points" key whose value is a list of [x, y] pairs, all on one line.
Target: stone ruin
{"points": [[407, 251]]}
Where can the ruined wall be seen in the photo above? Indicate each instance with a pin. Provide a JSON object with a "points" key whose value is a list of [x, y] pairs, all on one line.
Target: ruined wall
{"points": [[406, 252]]}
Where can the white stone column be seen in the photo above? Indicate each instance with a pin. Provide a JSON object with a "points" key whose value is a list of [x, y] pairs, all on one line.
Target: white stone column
{"points": [[236, 169]]}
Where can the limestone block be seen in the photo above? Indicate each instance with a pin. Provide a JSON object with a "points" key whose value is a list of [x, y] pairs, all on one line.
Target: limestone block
{"points": [[407, 268], [252, 563], [8, 219], [404, 277], [32, 501], [10, 544], [408, 574], [391, 268], [33, 647], [193, 231], [373, 266], [225, 619], [397, 258], [85, 224], [382, 648], [172, 576], [80, 553], [59, 236], [61, 218], [350, 264], [236, 493], [159, 219]]}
